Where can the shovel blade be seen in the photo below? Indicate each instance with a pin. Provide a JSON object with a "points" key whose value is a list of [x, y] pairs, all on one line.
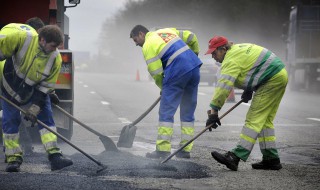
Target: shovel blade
{"points": [[108, 143], [127, 136]]}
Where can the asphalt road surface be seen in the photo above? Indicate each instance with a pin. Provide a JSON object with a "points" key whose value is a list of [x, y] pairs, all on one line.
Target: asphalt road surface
{"points": [[108, 102]]}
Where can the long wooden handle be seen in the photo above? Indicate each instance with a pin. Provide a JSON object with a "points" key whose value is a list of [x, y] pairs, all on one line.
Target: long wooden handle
{"points": [[54, 132], [204, 130], [146, 112]]}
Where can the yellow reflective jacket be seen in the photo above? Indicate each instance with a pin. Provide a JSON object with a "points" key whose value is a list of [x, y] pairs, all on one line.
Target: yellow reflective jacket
{"points": [[245, 66], [31, 66], [166, 54], [189, 38]]}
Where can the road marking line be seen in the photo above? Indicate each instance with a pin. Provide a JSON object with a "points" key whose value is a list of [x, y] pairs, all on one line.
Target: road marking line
{"points": [[80, 82], [105, 103], [124, 120], [201, 93], [85, 86], [143, 145], [315, 119], [92, 92], [148, 146]]}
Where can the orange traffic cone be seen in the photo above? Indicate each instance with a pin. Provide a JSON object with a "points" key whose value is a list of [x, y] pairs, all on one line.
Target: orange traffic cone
{"points": [[137, 75], [231, 97]]}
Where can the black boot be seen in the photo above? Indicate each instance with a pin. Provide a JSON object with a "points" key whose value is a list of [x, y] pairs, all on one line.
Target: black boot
{"points": [[272, 164], [157, 154], [14, 166], [229, 159], [58, 161], [183, 154]]}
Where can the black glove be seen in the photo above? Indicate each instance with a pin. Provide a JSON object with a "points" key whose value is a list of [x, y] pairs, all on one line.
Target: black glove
{"points": [[54, 98], [246, 96], [31, 114], [212, 119]]}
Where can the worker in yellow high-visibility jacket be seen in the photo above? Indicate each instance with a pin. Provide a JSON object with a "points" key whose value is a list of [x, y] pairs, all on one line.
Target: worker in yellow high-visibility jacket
{"points": [[252, 68], [174, 65], [32, 65]]}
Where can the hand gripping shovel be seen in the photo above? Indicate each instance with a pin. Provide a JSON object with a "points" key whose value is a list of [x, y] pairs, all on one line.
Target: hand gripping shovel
{"points": [[106, 141], [58, 135], [128, 132], [204, 130]]}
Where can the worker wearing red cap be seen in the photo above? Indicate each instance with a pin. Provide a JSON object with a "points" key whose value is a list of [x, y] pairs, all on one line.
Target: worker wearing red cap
{"points": [[254, 69]]}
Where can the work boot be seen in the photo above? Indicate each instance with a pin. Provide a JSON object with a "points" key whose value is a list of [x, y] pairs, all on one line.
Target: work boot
{"points": [[14, 166], [229, 159], [183, 154], [157, 154], [272, 164], [58, 161]]}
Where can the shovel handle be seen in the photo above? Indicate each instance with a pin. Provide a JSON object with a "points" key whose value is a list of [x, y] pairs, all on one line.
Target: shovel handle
{"points": [[54, 132], [204, 130], [76, 120], [146, 112]]}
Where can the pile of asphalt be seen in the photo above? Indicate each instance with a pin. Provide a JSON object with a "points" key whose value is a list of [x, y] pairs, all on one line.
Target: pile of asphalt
{"points": [[36, 174], [126, 164]]}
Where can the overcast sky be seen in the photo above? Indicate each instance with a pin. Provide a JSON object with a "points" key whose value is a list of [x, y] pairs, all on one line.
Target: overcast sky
{"points": [[86, 21]]}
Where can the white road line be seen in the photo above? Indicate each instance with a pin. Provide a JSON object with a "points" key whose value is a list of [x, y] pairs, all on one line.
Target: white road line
{"points": [[80, 82], [92, 92], [148, 146], [85, 86], [201, 93], [144, 145], [105, 103], [315, 119], [124, 120]]}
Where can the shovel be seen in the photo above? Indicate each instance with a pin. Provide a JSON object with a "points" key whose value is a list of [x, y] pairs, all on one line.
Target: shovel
{"points": [[128, 132], [106, 141], [204, 130], [58, 135]]}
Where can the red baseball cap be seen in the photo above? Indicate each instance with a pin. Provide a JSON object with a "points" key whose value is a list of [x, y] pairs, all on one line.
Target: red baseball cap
{"points": [[216, 42]]}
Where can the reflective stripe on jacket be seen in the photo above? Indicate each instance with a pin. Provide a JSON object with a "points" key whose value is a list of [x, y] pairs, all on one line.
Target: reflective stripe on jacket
{"points": [[189, 38], [32, 66], [245, 66], [164, 48]]}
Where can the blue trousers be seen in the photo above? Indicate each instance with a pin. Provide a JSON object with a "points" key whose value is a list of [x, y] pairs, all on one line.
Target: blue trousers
{"points": [[181, 91], [11, 117]]}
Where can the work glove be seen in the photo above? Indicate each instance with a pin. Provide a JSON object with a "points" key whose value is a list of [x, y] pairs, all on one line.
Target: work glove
{"points": [[246, 96], [31, 114], [54, 98], [212, 119]]}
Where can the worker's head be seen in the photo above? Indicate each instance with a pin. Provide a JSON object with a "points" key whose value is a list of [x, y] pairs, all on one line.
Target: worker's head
{"points": [[138, 34], [218, 47], [50, 37], [35, 23]]}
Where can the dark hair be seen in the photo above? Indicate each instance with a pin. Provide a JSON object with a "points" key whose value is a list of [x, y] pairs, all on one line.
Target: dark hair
{"points": [[51, 33], [35, 23], [138, 28], [227, 46]]}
